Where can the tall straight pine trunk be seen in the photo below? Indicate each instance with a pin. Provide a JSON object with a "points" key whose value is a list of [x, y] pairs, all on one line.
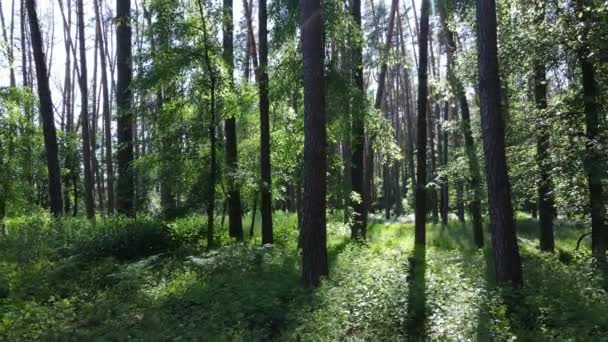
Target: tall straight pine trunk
{"points": [[107, 119], [423, 41], [125, 185], [46, 112], [314, 239], [358, 135], [266, 181], [594, 169], [469, 143], [546, 203], [235, 221], [504, 240], [89, 200]]}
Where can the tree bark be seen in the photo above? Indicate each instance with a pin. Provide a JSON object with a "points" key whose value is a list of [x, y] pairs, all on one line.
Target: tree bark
{"points": [[212, 132], [9, 42], [125, 186], [357, 171], [266, 181], [546, 203], [593, 164], [46, 113], [314, 239], [69, 158], [470, 150], [107, 119], [504, 240], [235, 221], [420, 220], [84, 118], [444, 190]]}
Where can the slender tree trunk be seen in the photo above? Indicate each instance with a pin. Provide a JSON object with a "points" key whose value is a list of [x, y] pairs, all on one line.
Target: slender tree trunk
{"points": [[107, 119], [251, 37], [9, 42], [84, 118], [433, 112], [469, 144], [212, 133], [235, 220], [594, 169], [383, 68], [420, 229], [266, 181], [314, 239], [546, 206], [444, 191], [504, 240], [94, 121], [124, 155], [46, 112], [67, 98], [253, 212], [358, 135]]}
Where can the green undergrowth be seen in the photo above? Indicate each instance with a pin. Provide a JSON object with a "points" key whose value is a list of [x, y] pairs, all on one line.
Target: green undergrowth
{"points": [[148, 280]]}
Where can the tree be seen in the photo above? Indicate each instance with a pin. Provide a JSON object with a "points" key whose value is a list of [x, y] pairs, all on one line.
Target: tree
{"points": [[314, 249], [84, 117], [266, 182], [358, 134], [593, 155], [470, 150], [212, 131], [423, 40], [546, 204], [504, 241], [235, 221], [46, 112], [107, 119], [8, 41], [125, 187]]}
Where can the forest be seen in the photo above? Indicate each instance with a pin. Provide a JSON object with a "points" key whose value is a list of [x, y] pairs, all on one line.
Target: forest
{"points": [[303, 170]]}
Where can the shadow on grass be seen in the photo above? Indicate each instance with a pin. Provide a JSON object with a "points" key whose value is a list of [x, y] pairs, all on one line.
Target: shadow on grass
{"points": [[249, 302], [417, 310]]}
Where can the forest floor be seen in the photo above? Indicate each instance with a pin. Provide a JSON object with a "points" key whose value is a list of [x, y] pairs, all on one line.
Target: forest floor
{"points": [[54, 286]]}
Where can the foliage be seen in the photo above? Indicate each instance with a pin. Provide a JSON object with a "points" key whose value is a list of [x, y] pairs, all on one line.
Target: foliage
{"points": [[243, 292]]}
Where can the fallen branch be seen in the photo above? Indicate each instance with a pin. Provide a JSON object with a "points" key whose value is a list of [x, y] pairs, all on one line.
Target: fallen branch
{"points": [[578, 243]]}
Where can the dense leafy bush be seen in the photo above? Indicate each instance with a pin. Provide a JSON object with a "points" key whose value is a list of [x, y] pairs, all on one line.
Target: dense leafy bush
{"points": [[128, 240]]}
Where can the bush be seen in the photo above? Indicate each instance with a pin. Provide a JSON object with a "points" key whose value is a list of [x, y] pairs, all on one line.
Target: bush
{"points": [[128, 240]]}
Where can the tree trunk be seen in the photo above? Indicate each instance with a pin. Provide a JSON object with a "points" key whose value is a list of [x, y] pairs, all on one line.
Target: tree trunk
{"points": [[469, 144], [358, 135], [212, 134], [9, 42], [235, 222], [593, 157], [124, 155], [266, 181], [251, 38], [253, 212], [46, 113], [420, 230], [69, 122], [107, 119], [546, 206], [504, 240], [444, 191], [314, 239], [84, 118]]}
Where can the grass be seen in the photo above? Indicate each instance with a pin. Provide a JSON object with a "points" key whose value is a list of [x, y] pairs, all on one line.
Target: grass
{"points": [[383, 290]]}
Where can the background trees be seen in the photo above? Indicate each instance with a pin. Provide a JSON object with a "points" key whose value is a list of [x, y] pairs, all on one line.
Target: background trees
{"points": [[154, 89]]}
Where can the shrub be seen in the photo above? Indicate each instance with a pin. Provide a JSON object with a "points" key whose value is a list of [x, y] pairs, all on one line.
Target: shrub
{"points": [[128, 240]]}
